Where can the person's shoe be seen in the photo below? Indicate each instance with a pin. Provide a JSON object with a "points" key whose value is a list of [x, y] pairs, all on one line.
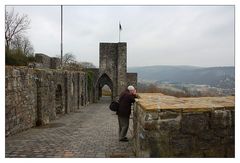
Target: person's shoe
{"points": [[124, 139]]}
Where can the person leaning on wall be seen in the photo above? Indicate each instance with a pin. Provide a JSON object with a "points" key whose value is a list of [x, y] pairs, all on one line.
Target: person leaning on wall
{"points": [[126, 99]]}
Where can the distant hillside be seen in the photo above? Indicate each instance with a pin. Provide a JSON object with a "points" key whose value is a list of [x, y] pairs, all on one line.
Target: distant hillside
{"points": [[222, 77]]}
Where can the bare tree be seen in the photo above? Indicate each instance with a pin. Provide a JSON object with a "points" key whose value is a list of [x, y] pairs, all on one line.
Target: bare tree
{"points": [[68, 58], [27, 47], [22, 43], [14, 25], [70, 62], [16, 43]]}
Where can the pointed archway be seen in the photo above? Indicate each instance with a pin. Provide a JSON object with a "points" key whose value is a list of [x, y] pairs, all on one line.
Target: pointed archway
{"points": [[104, 80]]}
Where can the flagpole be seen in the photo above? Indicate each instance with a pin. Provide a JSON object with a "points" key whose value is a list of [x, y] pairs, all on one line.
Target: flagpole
{"points": [[119, 30], [61, 36]]}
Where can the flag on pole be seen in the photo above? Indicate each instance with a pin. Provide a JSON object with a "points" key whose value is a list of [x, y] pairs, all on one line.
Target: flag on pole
{"points": [[120, 27]]}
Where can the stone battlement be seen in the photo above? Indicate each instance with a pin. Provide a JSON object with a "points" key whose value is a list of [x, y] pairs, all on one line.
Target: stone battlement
{"points": [[166, 126]]}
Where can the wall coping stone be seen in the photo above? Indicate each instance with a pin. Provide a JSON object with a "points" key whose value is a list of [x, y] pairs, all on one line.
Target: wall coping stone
{"points": [[159, 102]]}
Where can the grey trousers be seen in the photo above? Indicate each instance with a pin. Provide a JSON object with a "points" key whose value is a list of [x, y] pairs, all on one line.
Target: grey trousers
{"points": [[123, 126]]}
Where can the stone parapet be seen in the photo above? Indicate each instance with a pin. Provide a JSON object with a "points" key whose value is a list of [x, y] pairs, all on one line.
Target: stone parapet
{"points": [[166, 126]]}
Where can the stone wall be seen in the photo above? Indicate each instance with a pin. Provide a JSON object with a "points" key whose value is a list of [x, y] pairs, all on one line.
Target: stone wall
{"points": [[95, 75], [37, 96], [55, 62], [121, 67], [20, 99], [166, 126], [44, 61]]}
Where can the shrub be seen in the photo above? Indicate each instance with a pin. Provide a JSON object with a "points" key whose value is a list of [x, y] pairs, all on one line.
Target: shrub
{"points": [[17, 58]]}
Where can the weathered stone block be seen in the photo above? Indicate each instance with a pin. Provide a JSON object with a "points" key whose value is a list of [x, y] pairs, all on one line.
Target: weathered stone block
{"points": [[150, 125], [170, 125], [162, 148], [221, 119], [219, 132], [181, 145], [228, 141], [168, 115], [15, 72], [151, 116], [230, 151], [217, 152], [155, 148], [206, 135], [194, 123], [207, 143]]}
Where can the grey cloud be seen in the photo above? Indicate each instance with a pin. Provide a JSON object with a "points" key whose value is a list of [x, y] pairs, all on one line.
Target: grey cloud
{"points": [[175, 35]]}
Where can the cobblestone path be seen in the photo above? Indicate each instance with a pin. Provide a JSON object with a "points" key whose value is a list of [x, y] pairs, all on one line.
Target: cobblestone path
{"points": [[90, 132]]}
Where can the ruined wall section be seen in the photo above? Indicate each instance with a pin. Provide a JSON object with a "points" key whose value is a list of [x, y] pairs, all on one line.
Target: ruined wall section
{"points": [[44, 61], [37, 96], [20, 99]]}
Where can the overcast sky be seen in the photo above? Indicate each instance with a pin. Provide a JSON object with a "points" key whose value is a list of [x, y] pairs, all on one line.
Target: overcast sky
{"points": [[155, 35]]}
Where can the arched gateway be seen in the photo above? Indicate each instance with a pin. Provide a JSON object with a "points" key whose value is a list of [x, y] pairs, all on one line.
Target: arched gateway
{"points": [[104, 80]]}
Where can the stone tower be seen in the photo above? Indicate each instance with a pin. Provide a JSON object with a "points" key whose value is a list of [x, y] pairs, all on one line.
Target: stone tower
{"points": [[113, 67]]}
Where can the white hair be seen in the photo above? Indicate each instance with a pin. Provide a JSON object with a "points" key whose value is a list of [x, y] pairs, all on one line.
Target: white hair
{"points": [[130, 88]]}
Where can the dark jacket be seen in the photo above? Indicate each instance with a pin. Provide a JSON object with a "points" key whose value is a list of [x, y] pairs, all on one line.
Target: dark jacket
{"points": [[125, 101]]}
